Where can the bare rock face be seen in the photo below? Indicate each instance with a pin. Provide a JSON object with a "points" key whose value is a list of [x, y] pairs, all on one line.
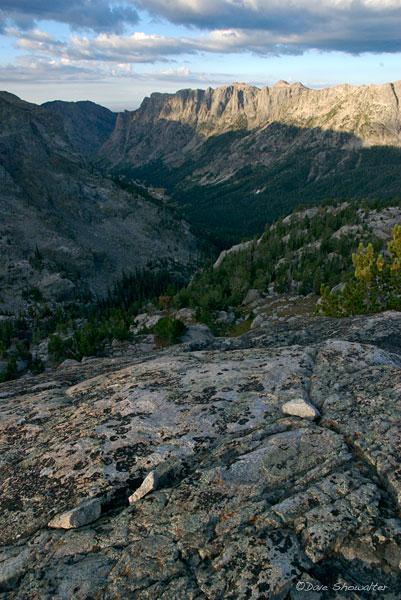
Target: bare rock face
{"points": [[55, 287], [370, 112], [232, 250], [249, 501]]}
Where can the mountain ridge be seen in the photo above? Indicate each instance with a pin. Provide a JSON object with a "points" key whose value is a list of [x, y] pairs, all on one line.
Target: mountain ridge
{"points": [[215, 111], [235, 157], [56, 206], [87, 124]]}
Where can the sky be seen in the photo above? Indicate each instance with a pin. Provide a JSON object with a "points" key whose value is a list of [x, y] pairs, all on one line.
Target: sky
{"points": [[116, 53]]}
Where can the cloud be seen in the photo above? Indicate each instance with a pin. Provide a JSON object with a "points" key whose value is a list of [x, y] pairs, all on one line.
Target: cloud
{"points": [[343, 25], [31, 69], [261, 27], [97, 15], [280, 26], [136, 48], [145, 48]]}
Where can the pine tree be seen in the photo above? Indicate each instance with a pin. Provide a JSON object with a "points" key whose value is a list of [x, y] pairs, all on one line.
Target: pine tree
{"points": [[375, 287]]}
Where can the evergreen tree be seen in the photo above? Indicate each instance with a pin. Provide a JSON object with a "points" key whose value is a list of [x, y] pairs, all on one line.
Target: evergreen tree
{"points": [[376, 285]]}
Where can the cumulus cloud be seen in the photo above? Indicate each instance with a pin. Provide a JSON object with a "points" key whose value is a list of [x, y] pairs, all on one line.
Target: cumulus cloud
{"points": [[33, 69], [281, 26], [98, 15], [141, 47], [136, 48], [38, 70], [342, 25]]}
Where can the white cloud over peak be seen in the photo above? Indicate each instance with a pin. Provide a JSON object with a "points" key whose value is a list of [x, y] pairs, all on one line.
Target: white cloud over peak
{"points": [[101, 43]]}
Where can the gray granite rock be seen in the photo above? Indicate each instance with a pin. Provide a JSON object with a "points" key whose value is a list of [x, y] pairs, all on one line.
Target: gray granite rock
{"points": [[251, 296], [68, 362], [56, 287], [197, 333], [149, 484], [87, 512], [249, 501], [300, 408]]}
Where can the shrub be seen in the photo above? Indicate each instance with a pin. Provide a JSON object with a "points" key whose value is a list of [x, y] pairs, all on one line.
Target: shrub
{"points": [[11, 371], [88, 340], [169, 330], [37, 365], [32, 293], [57, 348]]}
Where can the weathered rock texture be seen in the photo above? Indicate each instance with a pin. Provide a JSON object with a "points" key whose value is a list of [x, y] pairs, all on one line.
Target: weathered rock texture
{"points": [[249, 501], [148, 485], [59, 215], [87, 512], [369, 112]]}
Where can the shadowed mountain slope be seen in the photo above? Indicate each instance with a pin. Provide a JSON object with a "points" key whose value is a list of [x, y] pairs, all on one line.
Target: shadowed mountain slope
{"points": [[88, 125], [77, 221]]}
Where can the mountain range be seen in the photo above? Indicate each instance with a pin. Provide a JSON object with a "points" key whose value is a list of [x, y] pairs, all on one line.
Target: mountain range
{"points": [[231, 159], [264, 463], [64, 226], [87, 124], [237, 156]]}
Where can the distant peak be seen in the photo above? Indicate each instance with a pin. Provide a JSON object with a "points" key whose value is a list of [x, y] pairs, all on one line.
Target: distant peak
{"points": [[281, 83]]}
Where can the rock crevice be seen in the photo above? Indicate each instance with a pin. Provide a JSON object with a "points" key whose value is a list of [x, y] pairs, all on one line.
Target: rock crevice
{"points": [[249, 500]]}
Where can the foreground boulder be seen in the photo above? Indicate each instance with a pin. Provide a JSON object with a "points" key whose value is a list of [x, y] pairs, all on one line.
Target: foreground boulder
{"points": [[242, 500], [300, 408]]}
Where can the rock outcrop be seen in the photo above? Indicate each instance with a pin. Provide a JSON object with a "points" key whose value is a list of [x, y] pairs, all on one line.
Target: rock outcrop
{"points": [[87, 512], [249, 501]]}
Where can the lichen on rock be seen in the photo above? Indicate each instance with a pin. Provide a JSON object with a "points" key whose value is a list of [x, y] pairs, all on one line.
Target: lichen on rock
{"points": [[249, 500]]}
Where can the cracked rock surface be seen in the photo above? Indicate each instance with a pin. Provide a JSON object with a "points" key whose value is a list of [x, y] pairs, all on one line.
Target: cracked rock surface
{"points": [[250, 500]]}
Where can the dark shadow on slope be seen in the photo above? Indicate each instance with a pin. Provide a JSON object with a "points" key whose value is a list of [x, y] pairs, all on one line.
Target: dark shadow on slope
{"points": [[88, 125], [271, 172]]}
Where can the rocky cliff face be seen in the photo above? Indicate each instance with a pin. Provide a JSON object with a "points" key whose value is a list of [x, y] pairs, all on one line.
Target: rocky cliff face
{"points": [[58, 215], [276, 455], [370, 113], [239, 156], [87, 124]]}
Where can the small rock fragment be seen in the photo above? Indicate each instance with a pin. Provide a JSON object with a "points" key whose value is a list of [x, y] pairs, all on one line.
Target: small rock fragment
{"points": [[83, 514], [148, 485], [300, 408], [68, 362]]}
